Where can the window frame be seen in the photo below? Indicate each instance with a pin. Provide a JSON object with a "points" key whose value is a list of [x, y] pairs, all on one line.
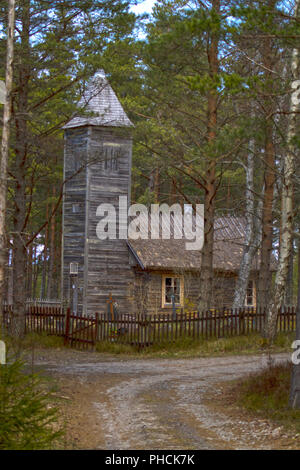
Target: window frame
{"points": [[165, 304], [253, 294], [112, 152]]}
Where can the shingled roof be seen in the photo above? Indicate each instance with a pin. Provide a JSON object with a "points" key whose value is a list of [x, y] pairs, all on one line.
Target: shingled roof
{"points": [[100, 100], [171, 254]]}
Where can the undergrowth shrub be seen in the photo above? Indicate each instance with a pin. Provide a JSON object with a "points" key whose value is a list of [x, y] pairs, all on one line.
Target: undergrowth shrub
{"points": [[268, 389], [28, 418], [266, 393]]}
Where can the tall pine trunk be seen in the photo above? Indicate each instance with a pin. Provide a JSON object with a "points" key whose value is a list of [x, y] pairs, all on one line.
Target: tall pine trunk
{"points": [[5, 144], [29, 272], [51, 251], [45, 256], [265, 275], [35, 271], [264, 283], [206, 275], [19, 172]]}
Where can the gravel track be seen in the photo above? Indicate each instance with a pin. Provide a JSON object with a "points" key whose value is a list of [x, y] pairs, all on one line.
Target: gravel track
{"points": [[157, 403]]}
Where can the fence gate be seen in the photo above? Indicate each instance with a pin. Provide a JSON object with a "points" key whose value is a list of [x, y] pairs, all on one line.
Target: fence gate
{"points": [[81, 331]]}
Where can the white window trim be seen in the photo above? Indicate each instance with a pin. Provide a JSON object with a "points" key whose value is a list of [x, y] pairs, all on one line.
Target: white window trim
{"points": [[163, 291], [253, 294]]}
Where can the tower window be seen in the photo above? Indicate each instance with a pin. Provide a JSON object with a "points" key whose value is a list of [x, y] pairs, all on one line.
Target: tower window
{"points": [[111, 154], [75, 208], [74, 268]]}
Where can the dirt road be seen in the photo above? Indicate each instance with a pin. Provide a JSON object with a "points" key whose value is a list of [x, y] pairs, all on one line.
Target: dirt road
{"points": [[157, 403]]}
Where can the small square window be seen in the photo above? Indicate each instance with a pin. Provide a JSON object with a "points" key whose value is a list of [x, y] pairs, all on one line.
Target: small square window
{"points": [[74, 268], [75, 208]]}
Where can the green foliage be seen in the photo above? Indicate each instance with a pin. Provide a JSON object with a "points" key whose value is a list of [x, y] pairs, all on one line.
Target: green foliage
{"points": [[28, 419], [59, 45], [147, 198]]}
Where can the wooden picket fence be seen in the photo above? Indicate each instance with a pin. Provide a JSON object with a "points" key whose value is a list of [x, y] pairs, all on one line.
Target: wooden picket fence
{"points": [[39, 319], [146, 330], [81, 331], [77, 331]]}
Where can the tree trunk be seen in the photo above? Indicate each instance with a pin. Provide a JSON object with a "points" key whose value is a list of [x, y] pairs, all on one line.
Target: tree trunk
{"points": [[206, 275], [294, 400], [51, 251], [173, 197], [264, 283], [19, 171], [156, 185], [287, 198], [5, 144], [29, 272], [35, 271], [289, 292], [45, 255], [265, 276], [252, 235], [56, 293], [9, 277]]}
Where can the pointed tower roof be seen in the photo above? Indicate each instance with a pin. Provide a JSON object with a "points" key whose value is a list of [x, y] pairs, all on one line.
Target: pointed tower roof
{"points": [[100, 99]]}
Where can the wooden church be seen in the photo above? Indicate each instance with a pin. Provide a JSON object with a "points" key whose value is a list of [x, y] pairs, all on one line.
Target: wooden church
{"points": [[139, 274]]}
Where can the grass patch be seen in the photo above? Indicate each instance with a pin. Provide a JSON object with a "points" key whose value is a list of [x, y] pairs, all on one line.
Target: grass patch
{"points": [[44, 340], [266, 393], [34, 340], [184, 347], [189, 347], [116, 348]]}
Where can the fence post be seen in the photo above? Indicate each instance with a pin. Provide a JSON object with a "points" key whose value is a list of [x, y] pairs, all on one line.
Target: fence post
{"points": [[241, 322], [67, 332], [96, 326]]}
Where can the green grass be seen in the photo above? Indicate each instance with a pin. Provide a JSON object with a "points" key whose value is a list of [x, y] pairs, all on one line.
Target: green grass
{"points": [[266, 394], [183, 347], [189, 347], [34, 340]]}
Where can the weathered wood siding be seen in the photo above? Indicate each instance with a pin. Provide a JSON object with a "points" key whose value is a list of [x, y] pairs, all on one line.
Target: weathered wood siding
{"points": [[147, 290], [103, 264], [74, 211], [108, 269]]}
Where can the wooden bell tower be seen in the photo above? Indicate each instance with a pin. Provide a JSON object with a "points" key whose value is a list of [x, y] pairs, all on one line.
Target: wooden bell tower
{"points": [[97, 170]]}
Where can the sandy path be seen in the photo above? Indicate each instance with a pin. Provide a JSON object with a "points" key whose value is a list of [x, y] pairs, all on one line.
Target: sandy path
{"points": [[157, 403]]}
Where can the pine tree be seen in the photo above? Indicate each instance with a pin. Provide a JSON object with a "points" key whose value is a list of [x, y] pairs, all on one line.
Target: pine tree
{"points": [[58, 46]]}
